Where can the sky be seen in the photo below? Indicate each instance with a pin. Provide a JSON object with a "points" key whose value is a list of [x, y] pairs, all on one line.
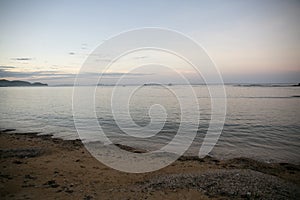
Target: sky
{"points": [[249, 41]]}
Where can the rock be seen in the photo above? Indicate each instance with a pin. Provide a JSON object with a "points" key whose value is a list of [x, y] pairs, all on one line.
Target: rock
{"points": [[130, 149], [51, 183], [8, 130], [17, 162], [87, 197], [28, 176]]}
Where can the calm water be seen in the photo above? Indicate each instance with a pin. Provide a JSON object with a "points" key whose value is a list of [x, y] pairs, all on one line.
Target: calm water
{"points": [[261, 123]]}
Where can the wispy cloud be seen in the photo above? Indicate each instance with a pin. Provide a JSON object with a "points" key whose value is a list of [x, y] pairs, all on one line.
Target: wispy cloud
{"points": [[7, 67], [22, 59], [5, 72], [140, 57], [104, 59], [84, 46]]}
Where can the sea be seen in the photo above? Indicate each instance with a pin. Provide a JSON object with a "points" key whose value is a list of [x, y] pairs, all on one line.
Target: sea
{"points": [[262, 122]]}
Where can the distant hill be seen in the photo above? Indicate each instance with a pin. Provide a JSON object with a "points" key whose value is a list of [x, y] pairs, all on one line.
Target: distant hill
{"points": [[6, 83]]}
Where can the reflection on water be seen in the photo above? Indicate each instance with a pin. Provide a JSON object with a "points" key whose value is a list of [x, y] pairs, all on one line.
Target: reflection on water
{"points": [[261, 123]]}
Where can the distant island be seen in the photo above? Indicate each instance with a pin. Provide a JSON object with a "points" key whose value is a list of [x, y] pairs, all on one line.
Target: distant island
{"points": [[268, 85], [156, 84], [297, 85], [17, 83]]}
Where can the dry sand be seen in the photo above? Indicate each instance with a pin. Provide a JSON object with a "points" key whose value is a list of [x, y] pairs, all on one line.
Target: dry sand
{"points": [[41, 167]]}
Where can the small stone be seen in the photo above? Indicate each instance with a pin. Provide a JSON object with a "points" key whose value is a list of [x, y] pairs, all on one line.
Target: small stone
{"points": [[17, 162], [52, 183]]}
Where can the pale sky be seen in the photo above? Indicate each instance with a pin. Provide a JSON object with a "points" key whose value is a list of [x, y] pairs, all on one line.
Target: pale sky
{"points": [[250, 41]]}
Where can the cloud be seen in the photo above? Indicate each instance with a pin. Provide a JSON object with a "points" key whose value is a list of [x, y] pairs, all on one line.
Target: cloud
{"points": [[104, 59], [71, 53], [21, 59], [114, 74], [7, 67], [6, 73], [84, 46], [140, 57]]}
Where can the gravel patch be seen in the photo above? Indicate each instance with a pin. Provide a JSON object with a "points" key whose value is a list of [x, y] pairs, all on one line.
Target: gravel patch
{"points": [[21, 152], [236, 183]]}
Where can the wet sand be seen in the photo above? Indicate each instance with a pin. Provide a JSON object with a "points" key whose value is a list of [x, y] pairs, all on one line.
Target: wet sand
{"points": [[35, 167]]}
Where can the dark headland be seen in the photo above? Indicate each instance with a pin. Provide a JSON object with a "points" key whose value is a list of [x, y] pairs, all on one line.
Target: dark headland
{"points": [[17, 83]]}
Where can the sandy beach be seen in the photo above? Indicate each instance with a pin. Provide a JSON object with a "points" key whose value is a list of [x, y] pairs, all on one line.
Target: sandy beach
{"points": [[35, 167]]}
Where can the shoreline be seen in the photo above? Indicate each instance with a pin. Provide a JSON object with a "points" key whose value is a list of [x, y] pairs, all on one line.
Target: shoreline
{"points": [[38, 165]]}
